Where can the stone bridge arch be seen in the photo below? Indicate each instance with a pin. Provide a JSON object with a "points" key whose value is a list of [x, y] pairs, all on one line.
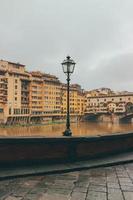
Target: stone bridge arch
{"points": [[129, 107]]}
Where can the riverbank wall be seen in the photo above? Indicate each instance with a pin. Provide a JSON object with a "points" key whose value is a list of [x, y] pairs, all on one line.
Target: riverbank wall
{"points": [[33, 150], [109, 117], [31, 120]]}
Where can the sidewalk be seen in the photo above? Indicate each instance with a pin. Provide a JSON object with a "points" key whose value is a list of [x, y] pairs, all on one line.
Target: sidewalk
{"points": [[8, 172], [105, 183]]}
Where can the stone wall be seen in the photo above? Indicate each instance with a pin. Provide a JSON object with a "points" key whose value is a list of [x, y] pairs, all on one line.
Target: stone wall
{"points": [[63, 149]]}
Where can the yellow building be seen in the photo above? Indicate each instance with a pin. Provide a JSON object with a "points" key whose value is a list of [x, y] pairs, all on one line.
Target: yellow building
{"points": [[52, 94], [77, 100], [34, 96], [3, 96], [15, 105]]}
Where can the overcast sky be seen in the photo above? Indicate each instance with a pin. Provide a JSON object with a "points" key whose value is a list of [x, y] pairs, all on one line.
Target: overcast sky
{"points": [[98, 34]]}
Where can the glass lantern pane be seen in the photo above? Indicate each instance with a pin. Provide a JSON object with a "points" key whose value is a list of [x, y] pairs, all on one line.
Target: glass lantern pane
{"points": [[64, 67], [69, 68], [73, 66]]}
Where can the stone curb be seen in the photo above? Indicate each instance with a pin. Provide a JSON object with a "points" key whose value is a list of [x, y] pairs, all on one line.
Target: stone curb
{"points": [[8, 173]]}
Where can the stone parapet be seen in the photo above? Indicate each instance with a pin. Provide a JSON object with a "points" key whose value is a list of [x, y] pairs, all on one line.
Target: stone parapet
{"points": [[29, 150]]}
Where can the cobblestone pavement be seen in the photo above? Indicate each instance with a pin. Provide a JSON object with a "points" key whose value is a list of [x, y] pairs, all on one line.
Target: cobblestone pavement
{"points": [[109, 183]]}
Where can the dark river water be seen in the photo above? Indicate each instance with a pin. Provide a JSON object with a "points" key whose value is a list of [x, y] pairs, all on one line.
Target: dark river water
{"points": [[78, 129]]}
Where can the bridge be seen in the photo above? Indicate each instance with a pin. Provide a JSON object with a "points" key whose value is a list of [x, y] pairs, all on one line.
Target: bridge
{"points": [[126, 117], [110, 117], [110, 112]]}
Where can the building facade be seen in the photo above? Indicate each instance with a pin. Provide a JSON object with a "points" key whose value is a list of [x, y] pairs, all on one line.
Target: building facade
{"points": [[36, 97], [31, 97], [122, 103], [77, 99], [14, 92]]}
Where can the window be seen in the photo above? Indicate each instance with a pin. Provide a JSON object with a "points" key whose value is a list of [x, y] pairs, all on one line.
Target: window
{"points": [[9, 111], [15, 98], [1, 110]]}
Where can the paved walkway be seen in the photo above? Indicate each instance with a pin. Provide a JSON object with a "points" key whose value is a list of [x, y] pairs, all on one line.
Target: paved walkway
{"points": [[66, 167], [107, 183]]}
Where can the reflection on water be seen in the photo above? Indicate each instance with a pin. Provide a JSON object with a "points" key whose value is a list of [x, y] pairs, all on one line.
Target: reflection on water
{"points": [[78, 129]]}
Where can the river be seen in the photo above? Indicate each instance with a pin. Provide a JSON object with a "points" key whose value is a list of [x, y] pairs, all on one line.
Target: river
{"points": [[78, 129]]}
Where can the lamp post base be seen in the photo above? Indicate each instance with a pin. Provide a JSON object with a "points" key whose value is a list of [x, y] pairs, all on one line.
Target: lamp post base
{"points": [[67, 132]]}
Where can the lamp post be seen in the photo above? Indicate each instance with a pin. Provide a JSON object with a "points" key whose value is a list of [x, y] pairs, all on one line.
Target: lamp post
{"points": [[68, 66]]}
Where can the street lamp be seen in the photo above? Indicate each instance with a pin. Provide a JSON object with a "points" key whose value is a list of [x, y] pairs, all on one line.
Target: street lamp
{"points": [[68, 66]]}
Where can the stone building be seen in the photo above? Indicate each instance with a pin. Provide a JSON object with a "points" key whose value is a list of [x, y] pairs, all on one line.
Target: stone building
{"points": [[121, 103]]}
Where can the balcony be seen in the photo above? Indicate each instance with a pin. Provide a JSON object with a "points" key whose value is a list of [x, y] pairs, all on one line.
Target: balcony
{"points": [[25, 79], [3, 94], [25, 90], [3, 82], [3, 88], [3, 100]]}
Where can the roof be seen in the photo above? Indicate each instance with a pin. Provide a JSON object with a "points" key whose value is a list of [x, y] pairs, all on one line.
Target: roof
{"points": [[13, 63], [109, 96]]}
